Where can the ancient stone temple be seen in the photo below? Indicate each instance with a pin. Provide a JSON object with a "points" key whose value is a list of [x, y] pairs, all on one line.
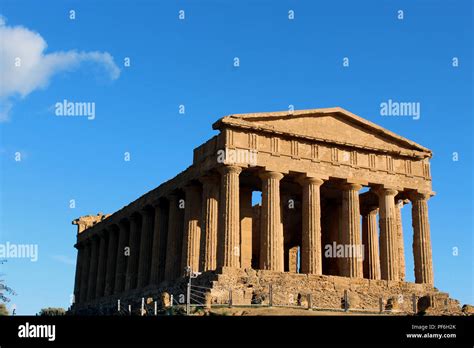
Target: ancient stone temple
{"points": [[332, 188]]}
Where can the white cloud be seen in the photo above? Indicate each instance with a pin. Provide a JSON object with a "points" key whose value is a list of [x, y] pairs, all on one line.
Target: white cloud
{"points": [[19, 45]]}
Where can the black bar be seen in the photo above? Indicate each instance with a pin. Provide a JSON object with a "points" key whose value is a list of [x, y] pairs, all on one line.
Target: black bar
{"points": [[291, 331]]}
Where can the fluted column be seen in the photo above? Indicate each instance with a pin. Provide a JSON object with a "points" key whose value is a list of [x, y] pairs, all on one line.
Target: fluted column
{"points": [[111, 261], [351, 230], [92, 281], [122, 258], [173, 265], [134, 248], [192, 228], [101, 265], [210, 206], [160, 234], [229, 214], [78, 276], [388, 234], [421, 238], [246, 216], [85, 272], [146, 243], [371, 243], [401, 248], [271, 243], [311, 256]]}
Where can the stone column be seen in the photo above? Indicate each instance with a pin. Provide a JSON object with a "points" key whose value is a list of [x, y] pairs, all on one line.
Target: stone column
{"points": [[146, 243], [388, 234], [173, 265], [102, 264], [311, 258], [111, 261], [192, 228], [160, 234], [271, 243], [210, 202], [229, 223], [352, 266], [79, 265], [122, 259], [370, 242], [92, 281], [85, 272], [421, 238], [134, 248], [401, 248], [246, 214]]}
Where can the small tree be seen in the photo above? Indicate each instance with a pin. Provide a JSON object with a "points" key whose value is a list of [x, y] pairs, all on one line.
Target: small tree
{"points": [[52, 311], [4, 290]]}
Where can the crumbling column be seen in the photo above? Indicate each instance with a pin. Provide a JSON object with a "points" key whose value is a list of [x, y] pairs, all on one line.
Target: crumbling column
{"points": [[351, 230], [134, 248], [85, 272], [229, 223], [122, 258], [371, 243], [311, 258], [421, 238], [388, 234], [92, 281], [401, 248], [79, 268], [192, 228], [173, 265], [210, 202], [146, 240], [160, 234], [272, 252], [111, 261], [102, 264]]}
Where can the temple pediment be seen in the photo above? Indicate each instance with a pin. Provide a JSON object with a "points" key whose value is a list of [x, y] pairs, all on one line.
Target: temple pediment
{"points": [[333, 125]]}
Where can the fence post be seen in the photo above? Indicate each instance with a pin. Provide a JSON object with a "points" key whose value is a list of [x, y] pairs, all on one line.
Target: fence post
{"points": [[156, 307], [346, 305], [142, 310], [230, 298], [171, 298], [380, 304], [129, 309], [118, 305], [310, 301], [188, 297], [270, 295], [413, 299]]}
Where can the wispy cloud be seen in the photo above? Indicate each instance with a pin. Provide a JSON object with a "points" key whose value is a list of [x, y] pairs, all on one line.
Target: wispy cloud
{"points": [[25, 67], [64, 259]]}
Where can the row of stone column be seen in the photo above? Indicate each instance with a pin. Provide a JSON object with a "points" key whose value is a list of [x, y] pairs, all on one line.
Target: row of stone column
{"points": [[153, 245], [389, 264], [122, 257]]}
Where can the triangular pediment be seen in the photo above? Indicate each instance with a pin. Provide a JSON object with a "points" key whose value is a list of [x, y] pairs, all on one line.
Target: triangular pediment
{"points": [[334, 125]]}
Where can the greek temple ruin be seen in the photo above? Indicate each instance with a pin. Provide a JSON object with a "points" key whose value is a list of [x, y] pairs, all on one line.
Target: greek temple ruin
{"points": [[332, 189]]}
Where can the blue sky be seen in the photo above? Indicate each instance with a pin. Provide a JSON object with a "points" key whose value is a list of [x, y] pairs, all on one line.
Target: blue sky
{"points": [[190, 62]]}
